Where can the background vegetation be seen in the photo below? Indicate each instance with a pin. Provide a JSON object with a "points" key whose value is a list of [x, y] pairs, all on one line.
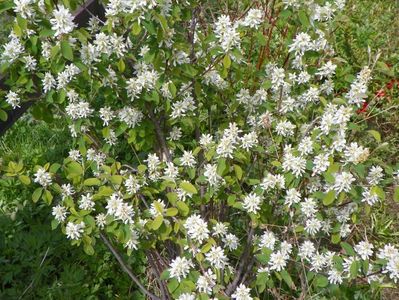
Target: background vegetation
{"points": [[38, 263]]}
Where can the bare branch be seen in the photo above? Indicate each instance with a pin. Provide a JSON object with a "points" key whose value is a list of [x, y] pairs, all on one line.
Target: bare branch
{"points": [[126, 268]]}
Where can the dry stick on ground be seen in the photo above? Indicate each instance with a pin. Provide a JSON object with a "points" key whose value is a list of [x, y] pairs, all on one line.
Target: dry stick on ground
{"points": [[126, 268]]}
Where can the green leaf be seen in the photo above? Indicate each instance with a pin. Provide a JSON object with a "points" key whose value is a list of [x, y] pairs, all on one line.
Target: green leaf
{"points": [[171, 212], [238, 171], [74, 169], [261, 38], [88, 249], [24, 179], [121, 65], [136, 29], [227, 61], [184, 209], [3, 115], [66, 50], [172, 89], [47, 197], [354, 269], [378, 191], [157, 222], [287, 278], [303, 18], [329, 198], [116, 179], [92, 181], [36, 194], [54, 224], [348, 248], [188, 187], [396, 194], [375, 134], [165, 275], [321, 281]]}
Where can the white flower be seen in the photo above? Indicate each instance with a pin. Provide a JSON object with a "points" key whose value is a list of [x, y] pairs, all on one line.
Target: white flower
{"points": [[252, 202], [308, 207], [318, 261], [171, 172], [393, 268], [74, 155], [67, 190], [343, 182], [48, 82], [388, 252], [13, 99], [59, 212], [180, 267], [30, 63], [267, 240], [271, 181], [327, 70], [231, 241], [206, 282], [364, 249], [355, 153], [313, 226], [101, 220], [242, 293], [131, 116], [205, 140], [369, 197], [188, 159], [335, 276], [253, 18], [295, 164], [42, 177], [120, 210], [12, 50], [175, 134], [106, 115], [133, 242], [74, 231], [301, 43], [216, 257], [186, 296], [62, 23], [285, 128], [249, 140], [307, 249], [211, 175], [197, 228], [375, 175], [292, 197], [78, 110], [86, 202], [132, 185], [278, 261], [227, 34], [306, 146], [321, 163], [219, 229], [157, 208], [24, 8]]}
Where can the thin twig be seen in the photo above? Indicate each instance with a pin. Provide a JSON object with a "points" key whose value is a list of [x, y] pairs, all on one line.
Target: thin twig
{"points": [[126, 268], [31, 283]]}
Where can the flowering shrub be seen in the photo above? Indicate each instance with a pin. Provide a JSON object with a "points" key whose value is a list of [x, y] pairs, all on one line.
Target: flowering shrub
{"points": [[222, 142]]}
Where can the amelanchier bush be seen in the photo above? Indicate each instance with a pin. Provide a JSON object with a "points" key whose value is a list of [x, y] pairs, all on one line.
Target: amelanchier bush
{"points": [[219, 138]]}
